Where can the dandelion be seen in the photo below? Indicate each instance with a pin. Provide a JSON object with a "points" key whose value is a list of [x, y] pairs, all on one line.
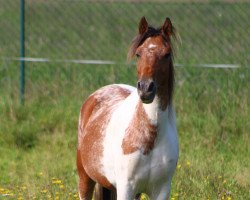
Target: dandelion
{"points": [[6, 192], [2, 190], [40, 174], [56, 181], [178, 166], [11, 194], [61, 186], [144, 197], [176, 194], [44, 191], [24, 188], [188, 163]]}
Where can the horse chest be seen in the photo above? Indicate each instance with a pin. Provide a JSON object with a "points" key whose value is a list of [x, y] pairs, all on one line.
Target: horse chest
{"points": [[153, 167]]}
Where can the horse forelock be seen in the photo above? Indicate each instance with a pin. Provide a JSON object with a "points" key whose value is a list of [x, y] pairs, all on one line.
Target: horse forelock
{"points": [[140, 39]]}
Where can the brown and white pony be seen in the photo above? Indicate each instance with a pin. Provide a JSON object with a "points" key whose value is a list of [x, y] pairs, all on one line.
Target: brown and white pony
{"points": [[127, 137]]}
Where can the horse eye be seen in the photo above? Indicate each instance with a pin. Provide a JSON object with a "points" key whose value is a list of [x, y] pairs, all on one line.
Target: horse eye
{"points": [[137, 55], [167, 55]]}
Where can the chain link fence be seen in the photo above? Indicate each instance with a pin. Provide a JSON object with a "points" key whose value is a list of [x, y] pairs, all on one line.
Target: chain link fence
{"points": [[209, 32]]}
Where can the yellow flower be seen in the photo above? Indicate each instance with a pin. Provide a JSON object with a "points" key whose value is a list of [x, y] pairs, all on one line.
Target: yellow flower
{"points": [[62, 186], [6, 192], [56, 181], [40, 174], [2, 190], [188, 163], [23, 187], [176, 194], [44, 191], [178, 166], [229, 198], [144, 197]]}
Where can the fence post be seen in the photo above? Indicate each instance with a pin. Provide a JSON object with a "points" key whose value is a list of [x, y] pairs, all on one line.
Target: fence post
{"points": [[22, 50]]}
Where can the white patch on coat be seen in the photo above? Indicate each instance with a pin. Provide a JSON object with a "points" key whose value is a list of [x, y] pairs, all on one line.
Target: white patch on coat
{"points": [[114, 135], [135, 172], [152, 46], [152, 110]]}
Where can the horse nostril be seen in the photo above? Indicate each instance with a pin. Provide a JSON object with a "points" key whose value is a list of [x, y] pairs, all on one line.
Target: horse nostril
{"points": [[151, 87]]}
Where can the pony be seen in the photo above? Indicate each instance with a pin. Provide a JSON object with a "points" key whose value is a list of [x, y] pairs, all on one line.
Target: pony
{"points": [[127, 136]]}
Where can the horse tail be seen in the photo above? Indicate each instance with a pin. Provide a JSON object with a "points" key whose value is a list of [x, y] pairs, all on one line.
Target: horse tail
{"points": [[102, 193]]}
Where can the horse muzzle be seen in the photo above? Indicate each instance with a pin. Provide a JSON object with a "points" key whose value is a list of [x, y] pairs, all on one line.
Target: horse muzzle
{"points": [[146, 90]]}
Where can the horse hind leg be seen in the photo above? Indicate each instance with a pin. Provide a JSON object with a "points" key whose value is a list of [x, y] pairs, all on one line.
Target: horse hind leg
{"points": [[86, 184]]}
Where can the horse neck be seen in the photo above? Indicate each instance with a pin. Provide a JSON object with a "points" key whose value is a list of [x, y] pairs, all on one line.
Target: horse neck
{"points": [[154, 113], [152, 110], [144, 127]]}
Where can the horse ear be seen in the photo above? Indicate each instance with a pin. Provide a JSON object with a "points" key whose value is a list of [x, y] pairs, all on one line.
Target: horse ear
{"points": [[167, 28], [143, 26]]}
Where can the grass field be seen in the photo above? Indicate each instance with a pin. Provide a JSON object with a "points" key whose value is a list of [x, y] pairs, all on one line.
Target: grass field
{"points": [[38, 140]]}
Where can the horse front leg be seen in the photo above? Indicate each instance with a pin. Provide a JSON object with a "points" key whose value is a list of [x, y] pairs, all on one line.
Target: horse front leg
{"points": [[162, 193], [125, 191]]}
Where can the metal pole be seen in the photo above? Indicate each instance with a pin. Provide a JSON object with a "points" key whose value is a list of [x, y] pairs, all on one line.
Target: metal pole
{"points": [[22, 50]]}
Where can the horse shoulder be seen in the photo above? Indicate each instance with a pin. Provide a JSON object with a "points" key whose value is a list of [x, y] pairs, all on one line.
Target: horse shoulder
{"points": [[94, 117]]}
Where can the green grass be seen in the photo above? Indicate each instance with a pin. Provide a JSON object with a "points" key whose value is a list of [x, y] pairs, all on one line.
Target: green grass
{"points": [[38, 140]]}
